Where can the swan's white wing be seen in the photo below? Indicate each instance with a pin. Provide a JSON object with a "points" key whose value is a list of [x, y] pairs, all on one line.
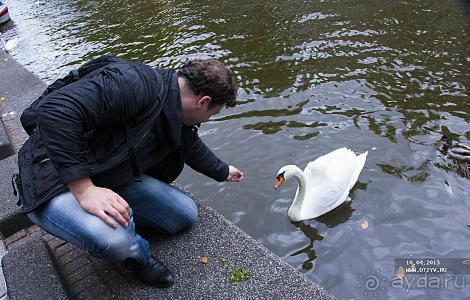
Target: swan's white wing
{"points": [[328, 182]]}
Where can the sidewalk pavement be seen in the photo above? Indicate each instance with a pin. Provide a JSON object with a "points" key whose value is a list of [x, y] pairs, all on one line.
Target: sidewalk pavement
{"points": [[37, 265]]}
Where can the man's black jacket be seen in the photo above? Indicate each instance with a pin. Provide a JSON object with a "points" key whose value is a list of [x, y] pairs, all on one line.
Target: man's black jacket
{"points": [[87, 129]]}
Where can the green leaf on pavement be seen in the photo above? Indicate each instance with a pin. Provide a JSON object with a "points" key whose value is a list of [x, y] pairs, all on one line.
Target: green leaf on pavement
{"points": [[239, 275]]}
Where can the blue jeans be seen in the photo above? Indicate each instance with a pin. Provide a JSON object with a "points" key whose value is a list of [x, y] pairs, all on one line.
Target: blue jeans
{"points": [[153, 203]]}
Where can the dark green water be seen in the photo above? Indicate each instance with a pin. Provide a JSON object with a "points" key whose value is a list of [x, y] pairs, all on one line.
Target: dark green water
{"points": [[386, 77]]}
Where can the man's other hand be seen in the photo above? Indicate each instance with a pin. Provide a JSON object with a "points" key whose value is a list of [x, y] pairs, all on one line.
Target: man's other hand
{"points": [[234, 175]]}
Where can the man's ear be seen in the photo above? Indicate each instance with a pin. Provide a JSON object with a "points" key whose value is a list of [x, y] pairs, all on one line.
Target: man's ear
{"points": [[204, 101]]}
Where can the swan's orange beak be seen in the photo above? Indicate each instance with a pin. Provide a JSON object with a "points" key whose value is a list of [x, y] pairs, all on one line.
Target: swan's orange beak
{"points": [[279, 181]]}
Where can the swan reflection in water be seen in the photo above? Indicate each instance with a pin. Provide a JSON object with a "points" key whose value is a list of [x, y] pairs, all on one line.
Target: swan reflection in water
{"points": [[331, 219], [337, 216]]}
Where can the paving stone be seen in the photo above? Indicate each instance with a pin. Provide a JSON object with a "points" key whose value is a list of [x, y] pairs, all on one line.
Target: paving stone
{"points": [[56, 242], [3, 286], [23, 240], [47, 237], [14, 237], [71, 255], [34, 229], [64, 249], [108, 273], [88, 281], [75, 264], [87, 294], [6, 149], [80, 273], [30, 273], [3, 248]]}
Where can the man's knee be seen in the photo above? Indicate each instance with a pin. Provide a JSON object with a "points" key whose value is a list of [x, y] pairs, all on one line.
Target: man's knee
{"points": [[190, 217], [114, 245], [184, 220]]}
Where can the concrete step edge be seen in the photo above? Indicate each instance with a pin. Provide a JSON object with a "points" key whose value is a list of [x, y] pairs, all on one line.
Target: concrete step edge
{"points": [[31, 272]]}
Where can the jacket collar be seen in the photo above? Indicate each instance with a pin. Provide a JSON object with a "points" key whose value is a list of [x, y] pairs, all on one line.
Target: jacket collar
{"points": [[172, 109]]}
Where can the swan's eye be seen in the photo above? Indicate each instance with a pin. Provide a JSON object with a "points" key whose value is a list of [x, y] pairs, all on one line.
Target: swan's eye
{"points": [[278, 177]]}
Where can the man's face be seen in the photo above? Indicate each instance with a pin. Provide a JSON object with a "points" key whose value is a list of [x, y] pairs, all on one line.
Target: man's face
{"points": [[203, 113], [195, 108]]}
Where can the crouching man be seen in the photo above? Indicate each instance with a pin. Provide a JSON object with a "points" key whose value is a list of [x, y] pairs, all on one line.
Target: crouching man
{"points": [[106, 141]]}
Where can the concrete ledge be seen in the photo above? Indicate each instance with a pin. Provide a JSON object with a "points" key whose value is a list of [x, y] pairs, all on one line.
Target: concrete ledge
{"points": [[19, 87], [5, 145], [30, 273], [226, 246], [11, 220]]}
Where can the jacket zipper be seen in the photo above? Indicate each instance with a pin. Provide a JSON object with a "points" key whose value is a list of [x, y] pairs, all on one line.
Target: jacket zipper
{"points": [[52, 191]]}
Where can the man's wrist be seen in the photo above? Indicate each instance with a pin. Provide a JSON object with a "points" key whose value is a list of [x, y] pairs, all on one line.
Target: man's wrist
{"points": [[79, 186]]}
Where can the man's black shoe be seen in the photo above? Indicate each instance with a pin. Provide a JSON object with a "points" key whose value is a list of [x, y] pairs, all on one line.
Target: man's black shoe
{"points": [[154, 273]]}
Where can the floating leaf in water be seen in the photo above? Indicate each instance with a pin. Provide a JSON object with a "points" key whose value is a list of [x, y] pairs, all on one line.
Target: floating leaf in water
{"points": [[400, 273], [239, 275], [205, 260], [2, 98], [365, 224]]}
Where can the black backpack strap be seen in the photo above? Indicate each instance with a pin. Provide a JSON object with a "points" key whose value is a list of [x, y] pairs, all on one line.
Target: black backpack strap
{"points": [[75, 75], [14, 179], [28, 117], [131, 151]]}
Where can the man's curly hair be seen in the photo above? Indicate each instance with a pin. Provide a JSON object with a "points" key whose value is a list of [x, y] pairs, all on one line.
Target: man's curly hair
{"points": [[210, 77]]}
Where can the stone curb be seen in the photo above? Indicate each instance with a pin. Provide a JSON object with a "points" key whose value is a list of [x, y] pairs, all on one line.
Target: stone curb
{"points": [[31, 273]]}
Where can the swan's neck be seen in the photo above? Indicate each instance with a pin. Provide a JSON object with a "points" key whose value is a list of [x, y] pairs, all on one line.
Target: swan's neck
{"points": [[296, 207]]}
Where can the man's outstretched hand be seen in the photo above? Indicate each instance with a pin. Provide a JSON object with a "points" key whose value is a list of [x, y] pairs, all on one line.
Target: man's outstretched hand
{"points": [[234, 175]]}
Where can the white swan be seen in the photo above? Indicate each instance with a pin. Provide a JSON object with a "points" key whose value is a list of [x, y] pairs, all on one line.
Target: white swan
{"points": [[324, 184]]}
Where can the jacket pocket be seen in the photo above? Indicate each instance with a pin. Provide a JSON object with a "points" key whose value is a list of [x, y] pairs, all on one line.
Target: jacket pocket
{"points": [[25, 158], [38, 149], [43, 176]]}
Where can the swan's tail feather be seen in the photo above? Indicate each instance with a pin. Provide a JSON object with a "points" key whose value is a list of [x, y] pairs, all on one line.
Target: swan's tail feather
{"points": [[359, 165]]}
